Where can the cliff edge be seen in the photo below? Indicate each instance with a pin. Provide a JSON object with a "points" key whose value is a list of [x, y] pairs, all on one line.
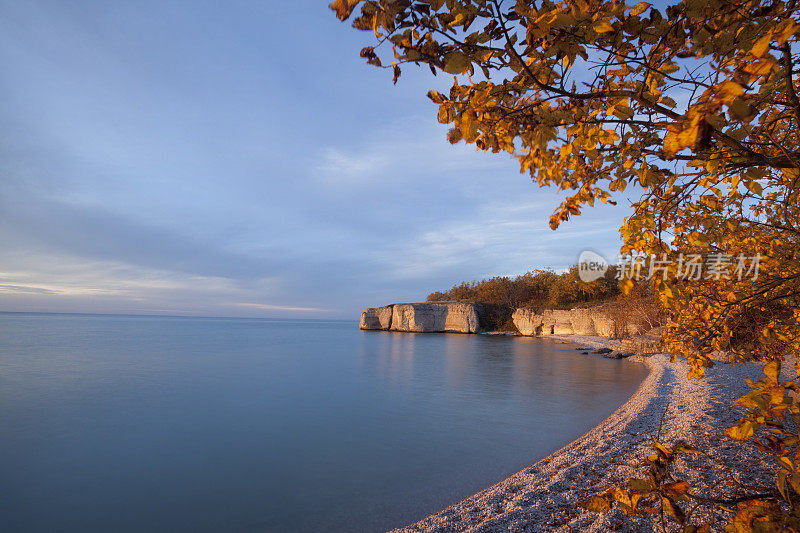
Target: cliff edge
{"points": [[428, 317], [465, 317]]}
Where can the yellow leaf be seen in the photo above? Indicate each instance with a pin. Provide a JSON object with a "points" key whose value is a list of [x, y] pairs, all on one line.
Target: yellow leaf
{"points": [[741, 432], [671, 144], [676, 488], [627, 285], [608, 137], [761, 46], [622, 496], [602, 26], [456, 63], [436, 97], [597, 504], [343, 8], [761, 68], [669, 68], [483, 55], [730, 90], [771, 370], [670, 507], [787, 32], [667, 101], [639, 8]]}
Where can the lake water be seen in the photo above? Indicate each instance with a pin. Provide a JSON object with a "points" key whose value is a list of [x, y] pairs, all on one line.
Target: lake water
{"points": [[119, 423]]}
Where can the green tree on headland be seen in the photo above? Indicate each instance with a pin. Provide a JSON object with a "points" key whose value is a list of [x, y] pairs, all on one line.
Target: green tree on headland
{"points": [[698, 105]]}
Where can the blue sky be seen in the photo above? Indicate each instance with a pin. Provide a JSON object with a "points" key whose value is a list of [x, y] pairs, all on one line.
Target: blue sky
{"points": [[240, 159]]}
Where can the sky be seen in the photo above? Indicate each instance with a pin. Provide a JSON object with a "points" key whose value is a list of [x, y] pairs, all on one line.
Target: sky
{"points": [[239, 159]]}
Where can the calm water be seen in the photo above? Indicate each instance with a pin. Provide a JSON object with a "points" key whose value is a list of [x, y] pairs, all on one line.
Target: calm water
{"points": [[112, 423]]}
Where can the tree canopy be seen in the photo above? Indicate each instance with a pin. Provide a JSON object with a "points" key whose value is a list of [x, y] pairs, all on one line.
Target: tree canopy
{"points": [[693, 108], [535, 289]]}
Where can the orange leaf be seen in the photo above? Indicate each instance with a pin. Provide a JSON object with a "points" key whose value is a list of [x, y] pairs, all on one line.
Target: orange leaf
{"points": [[761, 46]]}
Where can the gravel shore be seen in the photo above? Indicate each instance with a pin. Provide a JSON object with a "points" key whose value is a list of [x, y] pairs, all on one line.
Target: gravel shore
{"points": [[544, 496]]}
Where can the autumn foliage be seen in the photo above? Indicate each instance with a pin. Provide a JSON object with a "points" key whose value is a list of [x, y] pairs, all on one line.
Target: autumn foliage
{"points": [[694, 110], [502, 295], [537, 289]]}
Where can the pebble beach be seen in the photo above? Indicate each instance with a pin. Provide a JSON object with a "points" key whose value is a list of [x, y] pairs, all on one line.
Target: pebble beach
{"points": [[545, 495]]}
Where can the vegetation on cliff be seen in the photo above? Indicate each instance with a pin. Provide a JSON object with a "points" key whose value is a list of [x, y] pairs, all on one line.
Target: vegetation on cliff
{"points": [[546, 289], [538, 288], [501, 295]]}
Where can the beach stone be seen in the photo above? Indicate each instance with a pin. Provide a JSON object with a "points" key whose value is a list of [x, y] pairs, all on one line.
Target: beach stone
{"points": [[640, 344], [602, 351], [614, 354]]}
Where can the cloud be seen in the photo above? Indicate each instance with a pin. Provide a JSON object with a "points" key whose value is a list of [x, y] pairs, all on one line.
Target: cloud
{"points": [[410, 148], [26, 289], [267, 307], [338, 167], [96, 233], [500, 239], [67, 283]]}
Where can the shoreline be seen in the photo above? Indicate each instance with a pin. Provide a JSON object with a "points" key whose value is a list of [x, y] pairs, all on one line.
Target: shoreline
{"points": [[544, 495]]}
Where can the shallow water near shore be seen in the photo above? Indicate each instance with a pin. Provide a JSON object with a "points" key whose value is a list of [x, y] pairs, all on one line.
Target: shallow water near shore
{"points": [[119, 423]]}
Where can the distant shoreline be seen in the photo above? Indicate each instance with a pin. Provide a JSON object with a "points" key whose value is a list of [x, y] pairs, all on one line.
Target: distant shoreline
{"points": [[545, 495]]}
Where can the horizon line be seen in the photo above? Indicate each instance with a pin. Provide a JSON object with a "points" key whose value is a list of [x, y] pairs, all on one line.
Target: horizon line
{"points": [[143, 315]]}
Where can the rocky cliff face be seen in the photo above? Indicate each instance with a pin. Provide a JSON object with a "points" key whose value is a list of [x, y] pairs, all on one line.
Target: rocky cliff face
{"points": [[376, 318], [579, 321], [429, 317], [461, 317], [456, 317]]}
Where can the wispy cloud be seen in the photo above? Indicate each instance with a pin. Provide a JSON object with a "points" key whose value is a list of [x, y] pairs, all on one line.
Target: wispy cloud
{"points": [[26, 289], [412, 144], [337, 167], [505, 239], [268, 307]]}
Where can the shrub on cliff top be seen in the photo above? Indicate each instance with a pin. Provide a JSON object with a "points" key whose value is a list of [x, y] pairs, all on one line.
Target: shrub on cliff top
{"points": [[538, 289]]}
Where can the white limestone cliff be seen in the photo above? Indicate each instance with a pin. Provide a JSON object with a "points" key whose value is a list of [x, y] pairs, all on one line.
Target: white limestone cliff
{"points": [[578, 321], [376, 318], [428, 317], [464, 317]]}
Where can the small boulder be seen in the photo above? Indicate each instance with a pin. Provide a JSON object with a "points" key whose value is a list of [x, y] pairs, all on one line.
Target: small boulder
{"points": [[612, 354]]}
